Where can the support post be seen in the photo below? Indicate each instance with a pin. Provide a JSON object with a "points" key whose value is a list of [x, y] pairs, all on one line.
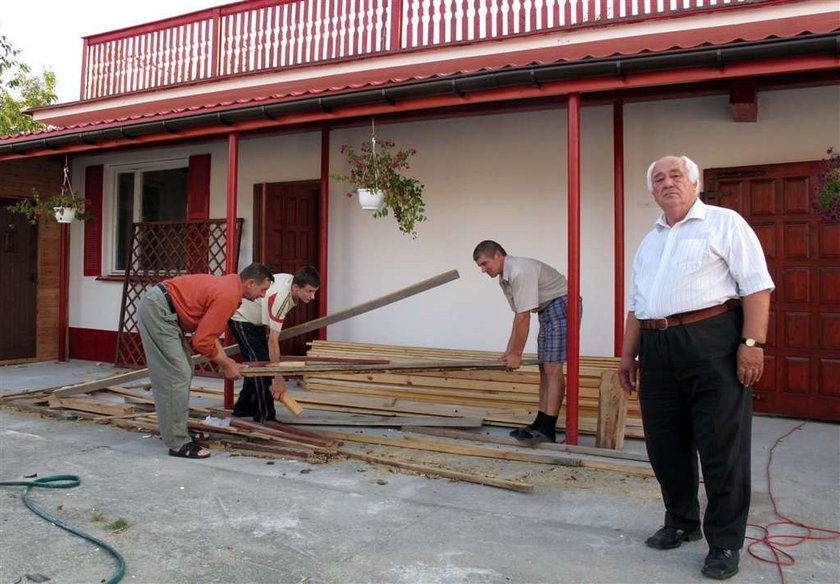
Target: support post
{"points": [[323, 224], [573, 365], [230, 241], [618, 223], [63, 289]]}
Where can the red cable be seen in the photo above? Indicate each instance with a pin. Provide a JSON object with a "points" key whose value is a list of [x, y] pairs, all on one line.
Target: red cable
{"points": [[774, 541]]}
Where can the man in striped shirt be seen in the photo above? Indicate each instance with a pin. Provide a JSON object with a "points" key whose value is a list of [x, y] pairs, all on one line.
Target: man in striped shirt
{"points": [[698, 315], [248, 325]]}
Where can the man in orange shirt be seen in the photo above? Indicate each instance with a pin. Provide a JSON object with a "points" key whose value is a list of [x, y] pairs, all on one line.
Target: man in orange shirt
{"points": [[200, 304]]}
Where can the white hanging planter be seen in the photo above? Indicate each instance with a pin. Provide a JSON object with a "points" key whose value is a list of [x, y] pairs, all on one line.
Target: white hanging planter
{"points": [[371, 199], [65, 214]]}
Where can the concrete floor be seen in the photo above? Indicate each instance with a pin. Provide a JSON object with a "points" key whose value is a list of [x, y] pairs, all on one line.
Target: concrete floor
{"points": [[237, 519]]}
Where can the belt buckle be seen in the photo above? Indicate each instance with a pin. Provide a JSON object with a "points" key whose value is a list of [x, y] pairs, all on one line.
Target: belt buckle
{"points": [[665, 320]]}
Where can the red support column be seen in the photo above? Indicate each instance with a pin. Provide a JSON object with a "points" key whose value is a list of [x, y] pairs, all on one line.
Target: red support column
{"points": [[573, 365], [83, 84], [396, 25], [230, 243], [63, 289], [323, 223], [618, 227]]}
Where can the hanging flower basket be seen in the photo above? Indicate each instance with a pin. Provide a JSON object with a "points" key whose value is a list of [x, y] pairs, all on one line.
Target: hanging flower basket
{"points": [[65, 214], [371, 199], [825, 196]]}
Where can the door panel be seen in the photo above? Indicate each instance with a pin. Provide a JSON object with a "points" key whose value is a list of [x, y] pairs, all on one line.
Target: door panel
{"points": [[19, 276], [802, 360], [288, 239]]}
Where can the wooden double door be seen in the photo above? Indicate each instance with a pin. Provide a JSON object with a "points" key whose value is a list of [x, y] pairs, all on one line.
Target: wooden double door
{"points": [[18, 284], [286, 238], [802, 360]]}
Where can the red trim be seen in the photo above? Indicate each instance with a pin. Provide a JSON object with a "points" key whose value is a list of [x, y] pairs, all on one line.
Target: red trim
{"points": [[83, 83], [618, 223], [804, 64], [230, 247], [63, 289], [323, 228], [94, 184], [573, 365], [93, 344], [198, 187]]}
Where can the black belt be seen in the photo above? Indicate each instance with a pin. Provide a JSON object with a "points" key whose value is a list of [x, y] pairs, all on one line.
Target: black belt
{"points": [[166, 295]]}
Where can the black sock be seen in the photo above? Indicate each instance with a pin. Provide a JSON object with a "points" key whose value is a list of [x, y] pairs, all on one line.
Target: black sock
{"points": [[537, 421], [548, 426]]}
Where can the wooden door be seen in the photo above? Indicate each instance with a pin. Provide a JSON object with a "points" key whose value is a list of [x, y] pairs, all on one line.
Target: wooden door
{"points": [[19, 277], [286, 217], [802, 360]]}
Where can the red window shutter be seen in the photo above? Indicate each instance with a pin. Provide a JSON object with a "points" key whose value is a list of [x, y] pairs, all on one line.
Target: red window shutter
{"points": [[93, 226], [198, 187]]}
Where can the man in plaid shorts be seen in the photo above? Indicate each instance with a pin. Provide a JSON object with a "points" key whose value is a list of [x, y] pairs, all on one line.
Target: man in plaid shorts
{"points": [[532, 286]]}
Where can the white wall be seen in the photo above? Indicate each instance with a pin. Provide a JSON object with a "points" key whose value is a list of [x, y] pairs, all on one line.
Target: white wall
{"points": [[497, 177]]}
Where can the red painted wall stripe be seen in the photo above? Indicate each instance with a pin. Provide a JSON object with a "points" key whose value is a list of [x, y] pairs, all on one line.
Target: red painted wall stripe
{"points": [[93, 227]]}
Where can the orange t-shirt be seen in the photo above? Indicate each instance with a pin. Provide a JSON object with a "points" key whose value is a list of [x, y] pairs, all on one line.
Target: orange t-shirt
{"points": [[204, 304]]}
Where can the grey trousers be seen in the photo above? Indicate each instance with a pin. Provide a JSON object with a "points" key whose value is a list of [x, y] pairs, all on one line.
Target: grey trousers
{"points": [[170, 368]]}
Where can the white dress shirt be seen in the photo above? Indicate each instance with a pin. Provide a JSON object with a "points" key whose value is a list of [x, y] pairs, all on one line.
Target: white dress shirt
{"points": [[709, 257]]}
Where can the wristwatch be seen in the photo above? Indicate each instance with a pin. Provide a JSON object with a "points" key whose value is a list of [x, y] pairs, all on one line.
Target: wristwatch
{"points": [[750, 342]]}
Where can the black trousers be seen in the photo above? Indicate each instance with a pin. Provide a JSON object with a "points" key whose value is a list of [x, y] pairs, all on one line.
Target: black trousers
{"points": [[255, 399], [693, 403]]}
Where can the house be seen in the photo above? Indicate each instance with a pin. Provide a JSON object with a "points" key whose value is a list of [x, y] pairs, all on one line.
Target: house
{"points": [[533, 120]]}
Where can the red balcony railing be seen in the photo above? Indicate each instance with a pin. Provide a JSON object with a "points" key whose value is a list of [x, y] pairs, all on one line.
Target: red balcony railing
{"points": [[274, 34]]}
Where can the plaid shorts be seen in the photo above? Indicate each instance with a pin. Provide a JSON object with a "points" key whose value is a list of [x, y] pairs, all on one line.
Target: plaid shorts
{"points": [[554, 324]]}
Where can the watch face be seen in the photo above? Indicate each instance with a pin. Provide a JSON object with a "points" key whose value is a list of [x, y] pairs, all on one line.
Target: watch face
{"points": [[749, 342]]}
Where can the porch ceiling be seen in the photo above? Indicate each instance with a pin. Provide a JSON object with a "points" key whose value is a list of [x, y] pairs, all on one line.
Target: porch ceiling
{"points": [[801, 45]]}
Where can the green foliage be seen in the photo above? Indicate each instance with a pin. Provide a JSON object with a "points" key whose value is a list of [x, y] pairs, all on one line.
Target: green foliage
{"points": [[35, 207], [377, 165], [20, 89], [117, 525], [97, 517], [825, 196]]}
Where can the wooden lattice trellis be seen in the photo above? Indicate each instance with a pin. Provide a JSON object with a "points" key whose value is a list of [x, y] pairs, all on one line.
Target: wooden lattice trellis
{"points": [[161, 250]]}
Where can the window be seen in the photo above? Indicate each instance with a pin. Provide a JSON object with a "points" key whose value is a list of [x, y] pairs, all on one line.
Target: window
{"points": [[145, 195]]}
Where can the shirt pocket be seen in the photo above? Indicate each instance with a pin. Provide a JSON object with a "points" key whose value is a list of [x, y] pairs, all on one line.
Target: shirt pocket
{"points": [[690, 255]]}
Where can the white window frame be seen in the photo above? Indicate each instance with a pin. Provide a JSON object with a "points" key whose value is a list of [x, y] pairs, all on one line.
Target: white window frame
{"points": [[109, 203]]}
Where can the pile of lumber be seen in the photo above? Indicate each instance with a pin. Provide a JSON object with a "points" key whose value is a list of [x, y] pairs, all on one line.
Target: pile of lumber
{"points": [[501, 397]]}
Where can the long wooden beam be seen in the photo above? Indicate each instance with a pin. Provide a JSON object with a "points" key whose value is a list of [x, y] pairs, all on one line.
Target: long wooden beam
{"points": [[424, 365], [294, 331]]}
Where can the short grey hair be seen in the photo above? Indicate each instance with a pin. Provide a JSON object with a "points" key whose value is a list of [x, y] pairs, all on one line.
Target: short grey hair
{"points": [[691, 169]]}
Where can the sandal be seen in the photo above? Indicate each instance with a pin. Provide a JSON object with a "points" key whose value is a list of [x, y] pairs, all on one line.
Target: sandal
{"points": [[189, 450]]}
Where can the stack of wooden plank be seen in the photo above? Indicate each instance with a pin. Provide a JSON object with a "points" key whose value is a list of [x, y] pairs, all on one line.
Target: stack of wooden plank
{"points": [[507, 398]]}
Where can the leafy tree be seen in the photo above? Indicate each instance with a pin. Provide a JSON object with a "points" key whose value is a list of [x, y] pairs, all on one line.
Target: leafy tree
{"points": [[21, 89]]}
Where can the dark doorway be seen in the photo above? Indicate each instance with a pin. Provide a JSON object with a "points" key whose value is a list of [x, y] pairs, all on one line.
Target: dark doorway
{"points": [[18, 293], [286, 238], [802, 359]]}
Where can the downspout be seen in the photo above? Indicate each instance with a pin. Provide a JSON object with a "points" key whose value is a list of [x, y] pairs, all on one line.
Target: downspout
{"points": [[573, 313], [323, 224], [63, 289], [230, 233], [618, 222]]}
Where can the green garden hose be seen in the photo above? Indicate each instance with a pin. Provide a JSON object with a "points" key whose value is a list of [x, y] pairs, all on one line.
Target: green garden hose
{"points": [[65, 482]]}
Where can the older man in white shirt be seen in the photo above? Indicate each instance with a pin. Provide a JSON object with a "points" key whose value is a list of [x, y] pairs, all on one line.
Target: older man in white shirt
{"points": [[698, 314]]}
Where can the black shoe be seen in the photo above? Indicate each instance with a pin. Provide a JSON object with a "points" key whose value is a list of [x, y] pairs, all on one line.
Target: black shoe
{"points": [[721, 563], [532, 437], [519, 431], [669, 538]]}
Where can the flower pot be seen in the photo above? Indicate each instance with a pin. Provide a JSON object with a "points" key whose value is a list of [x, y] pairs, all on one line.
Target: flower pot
{"points": [[65, 214], [371, 199]]}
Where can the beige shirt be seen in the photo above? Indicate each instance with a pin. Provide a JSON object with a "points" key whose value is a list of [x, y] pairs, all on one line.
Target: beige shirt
{"points": [[271, 310], [530, 285]]}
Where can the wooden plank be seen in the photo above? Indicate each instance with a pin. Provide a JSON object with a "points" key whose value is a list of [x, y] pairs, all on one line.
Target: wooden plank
{"points": [[88, 404], [370, 305], [394, 366], [442, 472], [479, 437], [390, 421], [450, 447], [291, 404], [612, 413]]}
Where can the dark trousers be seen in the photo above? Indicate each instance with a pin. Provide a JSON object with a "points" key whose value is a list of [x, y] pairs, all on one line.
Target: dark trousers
{"points": [[693, 403], [255, 399]]}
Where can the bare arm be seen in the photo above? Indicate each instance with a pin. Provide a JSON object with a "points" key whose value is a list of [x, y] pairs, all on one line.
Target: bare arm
{"points": [[518, 338], [278, 388], [629, 367], [229, 367], [756, 318]]}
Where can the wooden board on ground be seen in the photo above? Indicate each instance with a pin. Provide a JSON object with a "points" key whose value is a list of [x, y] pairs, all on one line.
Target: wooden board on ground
{"points": [[89, 404], [309, 368], [387, 421]]}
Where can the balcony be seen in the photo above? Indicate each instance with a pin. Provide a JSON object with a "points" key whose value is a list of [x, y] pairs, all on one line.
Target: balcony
{"points": [[271, 35]]}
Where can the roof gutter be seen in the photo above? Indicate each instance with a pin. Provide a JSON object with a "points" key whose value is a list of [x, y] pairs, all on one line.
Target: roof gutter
{"points": [[458, 85]]}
